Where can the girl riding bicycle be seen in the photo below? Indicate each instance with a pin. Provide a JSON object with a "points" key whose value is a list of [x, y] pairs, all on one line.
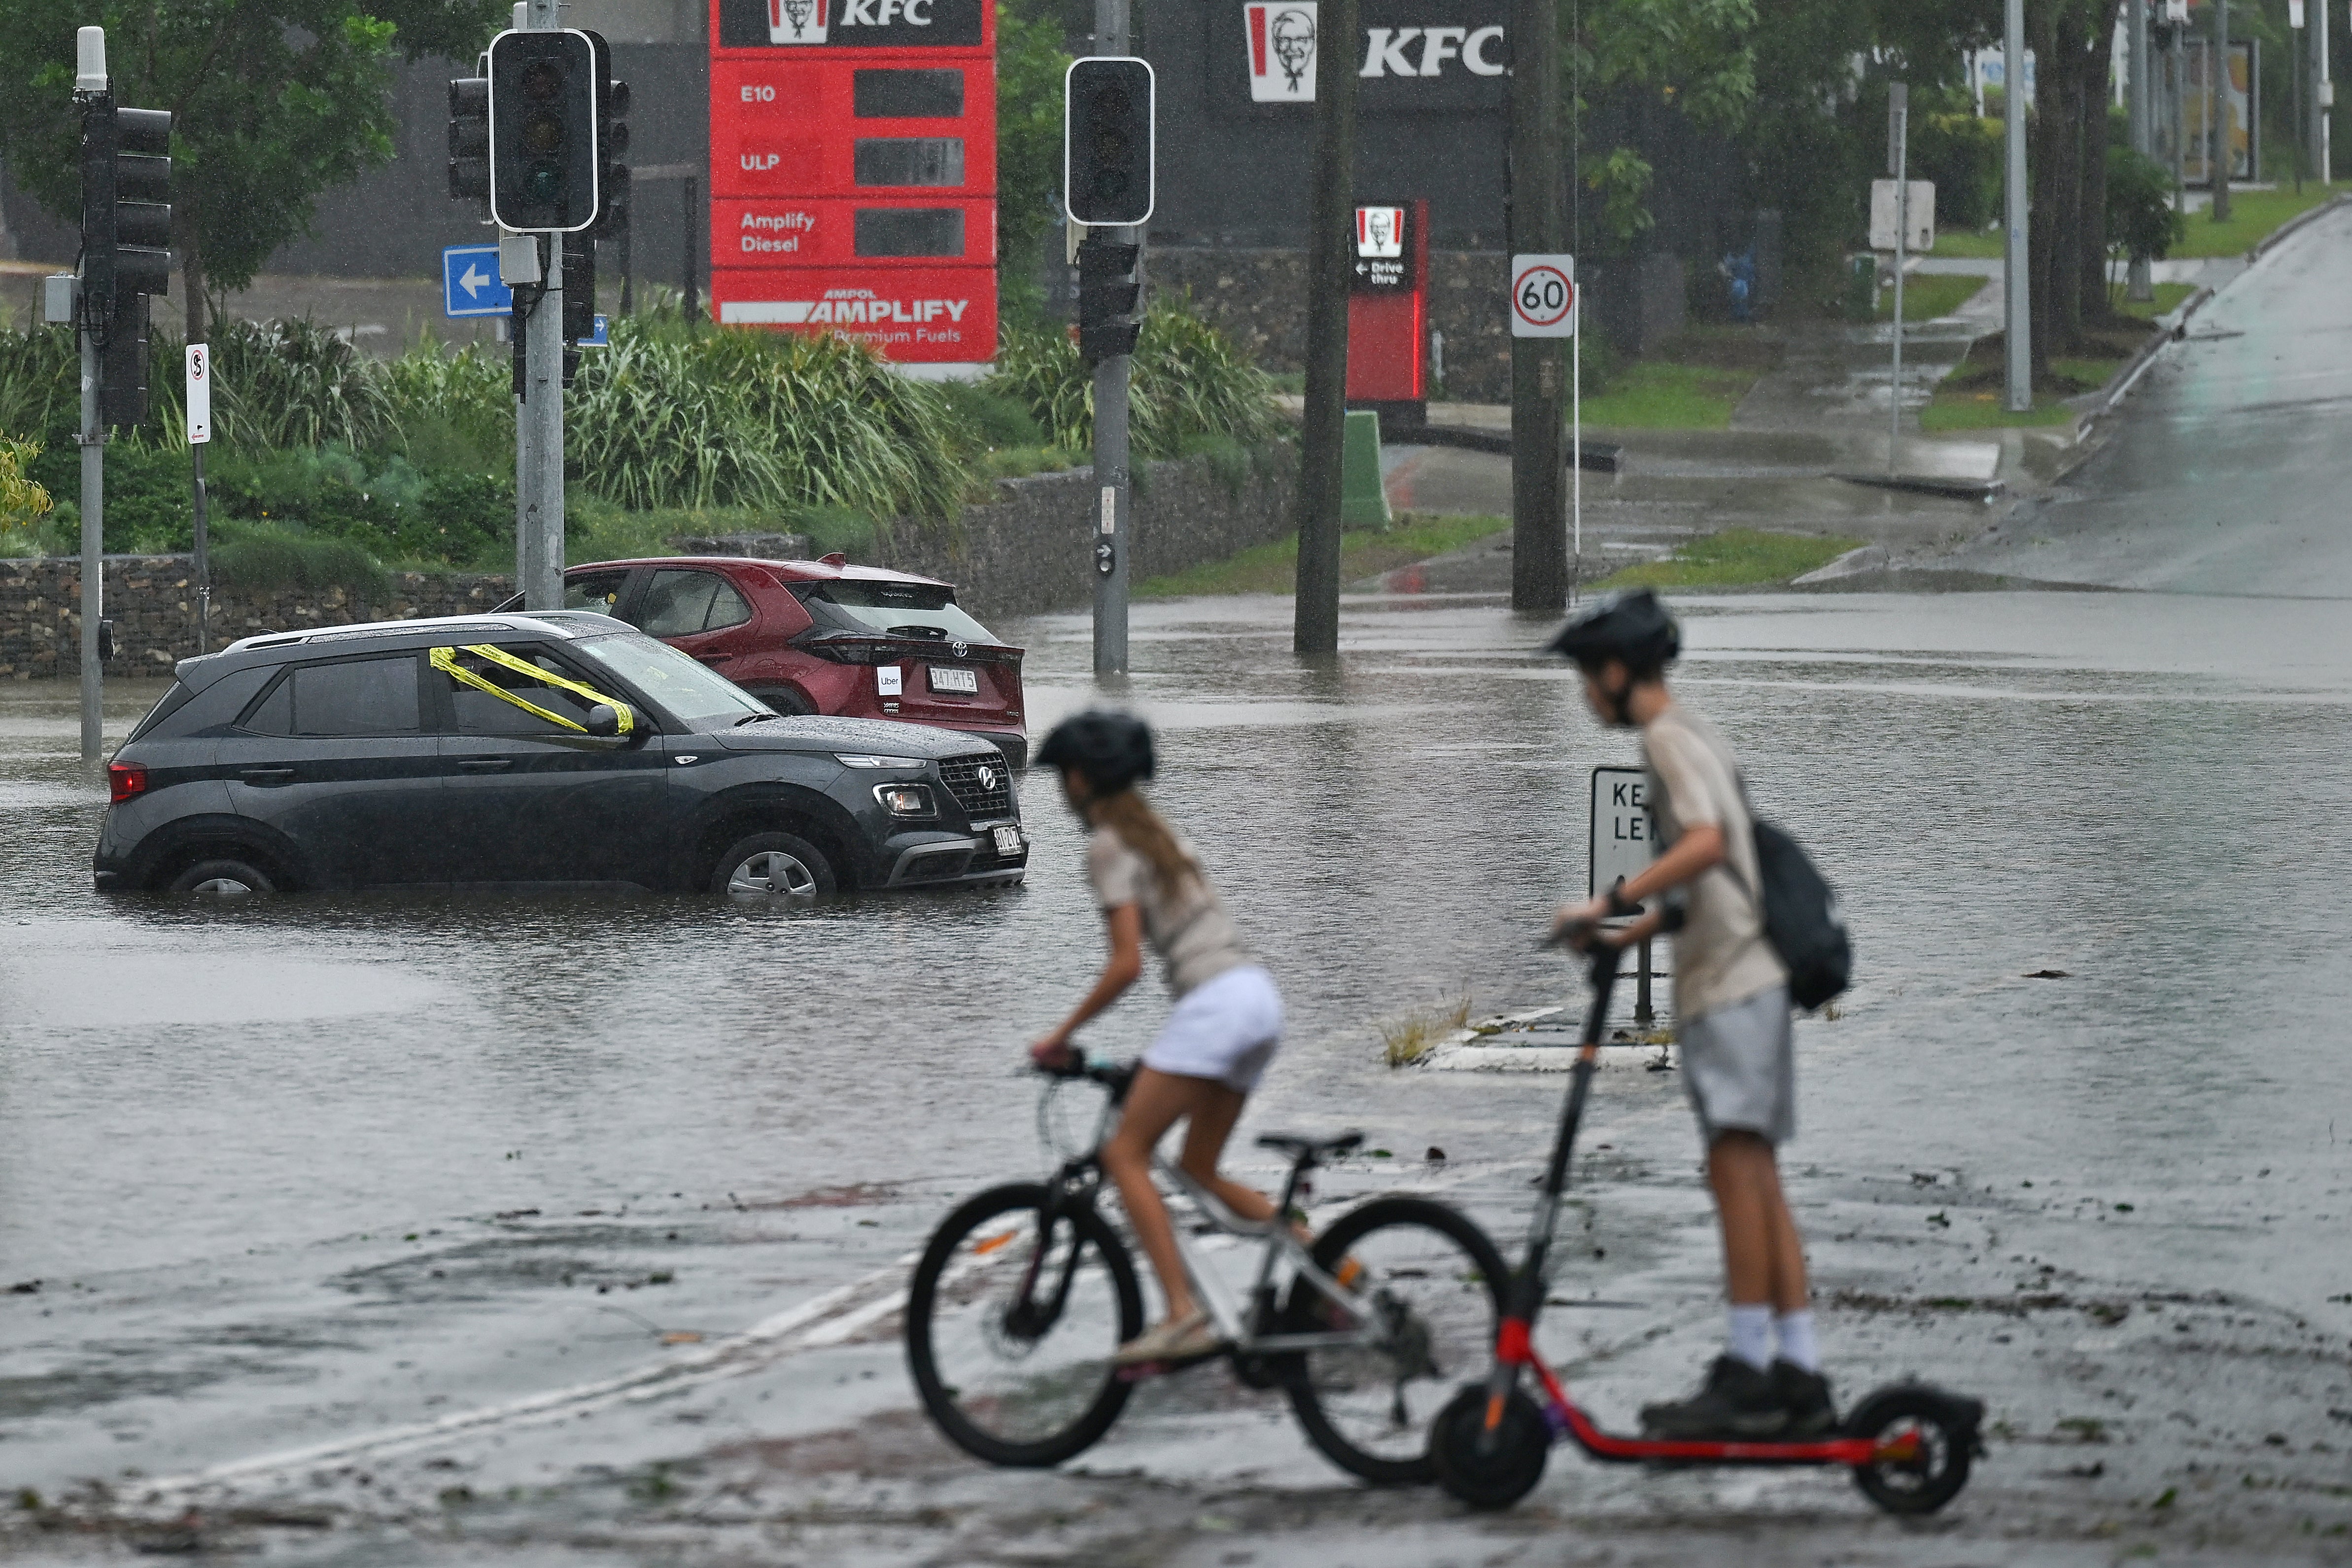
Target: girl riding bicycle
{"points": [[1219, 1038]]}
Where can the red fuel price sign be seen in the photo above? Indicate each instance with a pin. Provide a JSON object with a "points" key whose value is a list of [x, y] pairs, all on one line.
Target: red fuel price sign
{"points": [[853, 171]]}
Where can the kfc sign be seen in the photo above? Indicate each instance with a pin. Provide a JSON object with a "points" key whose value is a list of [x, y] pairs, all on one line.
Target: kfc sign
{"points": [[850, 24], [1416, 56], [1281, 39], [1384, 250]]}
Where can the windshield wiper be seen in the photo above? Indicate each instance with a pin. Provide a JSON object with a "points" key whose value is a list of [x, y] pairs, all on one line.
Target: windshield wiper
{"points": [[755, 719]]}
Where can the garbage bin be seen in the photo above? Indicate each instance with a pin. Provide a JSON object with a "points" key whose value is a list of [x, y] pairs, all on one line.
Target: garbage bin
{"points": [[1862, 287]]}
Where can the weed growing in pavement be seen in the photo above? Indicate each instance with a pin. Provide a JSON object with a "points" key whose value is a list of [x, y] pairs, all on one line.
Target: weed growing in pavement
{"points": [[1406, 1039]]}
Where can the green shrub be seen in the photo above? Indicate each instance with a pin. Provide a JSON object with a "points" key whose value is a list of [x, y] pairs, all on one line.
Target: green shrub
{"points": [[278, 557], [1188, 382], [2141, 222], [296, 383], [1963, 155]]}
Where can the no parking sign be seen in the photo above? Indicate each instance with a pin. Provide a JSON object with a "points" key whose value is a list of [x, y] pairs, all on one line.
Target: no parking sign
{"points": [[1543, 296]]}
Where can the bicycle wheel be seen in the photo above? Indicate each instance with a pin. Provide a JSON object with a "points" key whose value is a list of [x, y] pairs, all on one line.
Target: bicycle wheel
{"points": [[1011, 1326], [1433, 1287]]}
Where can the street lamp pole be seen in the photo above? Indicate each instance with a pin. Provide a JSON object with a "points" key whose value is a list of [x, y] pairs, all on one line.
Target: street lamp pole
{"points": [[2217, 82], [2016, 317], [2143, 134]]}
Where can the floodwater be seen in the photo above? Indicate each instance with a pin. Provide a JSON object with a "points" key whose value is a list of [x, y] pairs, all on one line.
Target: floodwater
{"points": [[298, 1169]]}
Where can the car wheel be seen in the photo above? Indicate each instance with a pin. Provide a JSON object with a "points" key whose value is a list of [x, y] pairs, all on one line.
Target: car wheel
{"points": [[789, 703], [773, 865], [223, 878]]}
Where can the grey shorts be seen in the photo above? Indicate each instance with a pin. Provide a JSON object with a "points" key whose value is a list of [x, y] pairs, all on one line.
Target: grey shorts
{"points": [[1739, 1067]]}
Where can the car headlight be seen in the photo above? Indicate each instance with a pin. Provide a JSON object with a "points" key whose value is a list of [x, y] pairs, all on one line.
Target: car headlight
{"points": [[904, 799], [869, 759]]}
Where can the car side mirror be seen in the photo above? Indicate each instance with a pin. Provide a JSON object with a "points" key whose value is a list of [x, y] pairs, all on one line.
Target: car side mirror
{"points": [[604, 720]]}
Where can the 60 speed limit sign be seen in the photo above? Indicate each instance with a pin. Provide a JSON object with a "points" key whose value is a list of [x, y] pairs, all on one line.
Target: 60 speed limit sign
{"points": [[1543, 296]]}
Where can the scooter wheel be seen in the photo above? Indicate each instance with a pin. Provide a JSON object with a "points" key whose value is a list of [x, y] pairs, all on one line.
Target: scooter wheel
{"points": [[1941, 1432], [1488, 1472]]}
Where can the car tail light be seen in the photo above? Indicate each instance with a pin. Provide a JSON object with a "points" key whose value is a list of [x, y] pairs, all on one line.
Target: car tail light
{"points": [[851, 649], [124, 780]]}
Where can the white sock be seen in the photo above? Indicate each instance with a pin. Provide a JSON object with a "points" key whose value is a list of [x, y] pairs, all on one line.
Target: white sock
{"points": [[1751, 1335], [1796, 1332]]}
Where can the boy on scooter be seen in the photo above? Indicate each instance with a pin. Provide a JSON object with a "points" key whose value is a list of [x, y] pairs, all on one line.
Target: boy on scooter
{"points": [[1732, 1019]]}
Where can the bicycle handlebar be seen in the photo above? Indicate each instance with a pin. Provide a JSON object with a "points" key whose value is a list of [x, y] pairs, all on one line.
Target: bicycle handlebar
{"points": [[1113, 1076]]}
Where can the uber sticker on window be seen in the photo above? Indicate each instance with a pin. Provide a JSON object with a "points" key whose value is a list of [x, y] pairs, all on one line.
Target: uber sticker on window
{"points": [[889, 679]]}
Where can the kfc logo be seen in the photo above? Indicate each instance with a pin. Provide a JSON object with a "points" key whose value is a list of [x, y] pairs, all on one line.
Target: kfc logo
{"points": [[1380, 232], [798, 21], [1281, 50]]}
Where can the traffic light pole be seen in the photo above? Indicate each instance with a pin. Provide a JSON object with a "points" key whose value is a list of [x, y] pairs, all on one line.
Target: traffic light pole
{"points": [[93, 548], [539, 417], [1113, 545]]}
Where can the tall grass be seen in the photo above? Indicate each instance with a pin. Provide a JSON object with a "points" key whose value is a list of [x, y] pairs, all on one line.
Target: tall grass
{"points": [[1188, 384], [667, 417]]}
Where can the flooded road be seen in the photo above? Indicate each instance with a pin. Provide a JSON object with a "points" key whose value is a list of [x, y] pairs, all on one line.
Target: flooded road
{"points": [[541, 1229]]}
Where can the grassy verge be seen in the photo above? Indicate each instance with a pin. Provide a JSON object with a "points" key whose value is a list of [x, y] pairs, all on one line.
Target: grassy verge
{"points": [[1927, 295], [1273, 568], [1970, 398], [2169, 297], [2252, 215], [1653, 395], [1736, 558], [1986, 243]]}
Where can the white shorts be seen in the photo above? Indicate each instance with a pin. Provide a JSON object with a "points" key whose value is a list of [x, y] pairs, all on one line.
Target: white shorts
{"points": [[1225, 1028], [1739, 1067]]}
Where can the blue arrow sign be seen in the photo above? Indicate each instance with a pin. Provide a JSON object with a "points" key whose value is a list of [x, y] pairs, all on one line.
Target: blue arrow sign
{"points": [[470, 284]]}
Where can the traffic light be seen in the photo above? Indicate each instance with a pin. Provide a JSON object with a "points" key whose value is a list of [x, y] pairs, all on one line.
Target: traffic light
{"points": [[612, 142], [126, 237], [579, 298], [543, 131], [469, 139], [1111, 287], [1107, 152]]}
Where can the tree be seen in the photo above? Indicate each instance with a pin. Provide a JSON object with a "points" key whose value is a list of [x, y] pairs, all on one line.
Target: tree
{"points": [[2067, 151], [1030, 62], [1697, 57], [273, 101]]}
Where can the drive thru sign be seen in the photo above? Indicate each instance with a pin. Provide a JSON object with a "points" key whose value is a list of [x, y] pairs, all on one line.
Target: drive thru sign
{"points": [[1623, 839]]}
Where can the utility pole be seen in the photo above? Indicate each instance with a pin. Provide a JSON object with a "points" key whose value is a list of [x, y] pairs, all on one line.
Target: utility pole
{"points": [[1898, 160], [2217, 82], [2322, 97], [1315, 626], [1114, 478], [2294, 95], [1538, 469], [2141, 284], [2017, 323], [92, 96]]}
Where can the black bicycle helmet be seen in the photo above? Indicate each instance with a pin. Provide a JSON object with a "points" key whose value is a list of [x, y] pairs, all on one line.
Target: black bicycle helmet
{"points": [[1631, 626], [1111, 750]]}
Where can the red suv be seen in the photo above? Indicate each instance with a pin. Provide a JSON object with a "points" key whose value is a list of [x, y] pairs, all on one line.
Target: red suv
{"points": [[823, 636]]}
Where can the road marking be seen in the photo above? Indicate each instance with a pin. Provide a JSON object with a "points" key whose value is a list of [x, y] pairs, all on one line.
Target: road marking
{"points": [[740, 1353]]}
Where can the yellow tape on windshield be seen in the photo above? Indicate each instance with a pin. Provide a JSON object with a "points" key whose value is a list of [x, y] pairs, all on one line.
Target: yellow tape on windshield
{"points": [[445, 660]]}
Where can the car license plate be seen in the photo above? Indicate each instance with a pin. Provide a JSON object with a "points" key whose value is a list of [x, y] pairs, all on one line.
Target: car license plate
{"points": [[964, 680], [1008, 841]]}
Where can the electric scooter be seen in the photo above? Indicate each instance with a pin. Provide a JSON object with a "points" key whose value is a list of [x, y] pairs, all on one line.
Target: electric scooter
{"points": [[1909, 1444]]}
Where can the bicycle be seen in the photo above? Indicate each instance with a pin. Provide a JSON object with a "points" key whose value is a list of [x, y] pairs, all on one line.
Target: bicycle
{"points": [[1025, 1289]]}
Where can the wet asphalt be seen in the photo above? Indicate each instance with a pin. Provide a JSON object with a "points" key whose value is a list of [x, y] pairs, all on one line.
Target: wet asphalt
{"points": [[359, 1231]]}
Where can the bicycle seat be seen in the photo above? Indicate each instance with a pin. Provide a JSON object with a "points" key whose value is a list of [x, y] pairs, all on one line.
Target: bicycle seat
{"points": [[1299, 1147]]}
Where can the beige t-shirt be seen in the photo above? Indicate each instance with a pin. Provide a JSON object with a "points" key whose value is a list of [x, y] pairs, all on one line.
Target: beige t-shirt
{"points": [[1193, 935], [1721, 955]]}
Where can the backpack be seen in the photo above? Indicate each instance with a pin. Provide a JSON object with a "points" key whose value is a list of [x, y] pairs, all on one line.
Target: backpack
{"points": [[1801, 919]]}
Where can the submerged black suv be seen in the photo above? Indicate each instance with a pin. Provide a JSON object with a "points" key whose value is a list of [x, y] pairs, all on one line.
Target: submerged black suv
{"points": [[556, 749]]}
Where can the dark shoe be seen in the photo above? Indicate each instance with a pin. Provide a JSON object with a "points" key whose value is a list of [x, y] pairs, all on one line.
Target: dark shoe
{"points": [[1738, 1403], [1805, 1395]]}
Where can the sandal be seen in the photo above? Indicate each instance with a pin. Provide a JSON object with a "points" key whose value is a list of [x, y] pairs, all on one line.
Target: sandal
{"points": [[1179, 1339]]}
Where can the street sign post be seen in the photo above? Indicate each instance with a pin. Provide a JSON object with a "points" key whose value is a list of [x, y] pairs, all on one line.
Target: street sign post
{"points": [[470, 284], [1544, 305], [1623, 842], [199, 406]]}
